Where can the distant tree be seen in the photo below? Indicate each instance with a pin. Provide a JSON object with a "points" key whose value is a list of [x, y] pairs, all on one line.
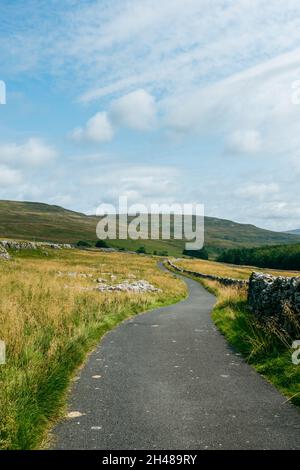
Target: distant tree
{"points": [[275, 257], [141, 250], [83, 244], [201, 254], [163, 253], [101, 244]]}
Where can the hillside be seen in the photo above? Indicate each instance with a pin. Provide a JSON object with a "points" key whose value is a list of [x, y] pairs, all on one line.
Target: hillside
{"points": [[294, 232], [221, 233], [43, 222]]}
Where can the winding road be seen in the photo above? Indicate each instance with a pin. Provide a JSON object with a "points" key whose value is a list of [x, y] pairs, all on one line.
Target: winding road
{"points": [[168, 380]]}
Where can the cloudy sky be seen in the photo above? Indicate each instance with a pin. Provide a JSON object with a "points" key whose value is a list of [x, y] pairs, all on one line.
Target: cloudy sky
{"points": [[160, 100]]}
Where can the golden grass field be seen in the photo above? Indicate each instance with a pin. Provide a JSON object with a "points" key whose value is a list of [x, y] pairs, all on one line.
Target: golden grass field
{"points": [[49, 324], [228, 270]]}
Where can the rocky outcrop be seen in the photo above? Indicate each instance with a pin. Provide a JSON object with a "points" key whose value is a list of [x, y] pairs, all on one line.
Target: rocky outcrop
{"points": [[126, 286], [226, 281], [139, 287], [274, 297]]}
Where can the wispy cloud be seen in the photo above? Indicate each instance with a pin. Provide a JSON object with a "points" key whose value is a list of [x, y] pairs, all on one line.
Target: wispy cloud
{"points": [[32, 152], [167, 45], [252, 110], [145, 184], [257, 191]]}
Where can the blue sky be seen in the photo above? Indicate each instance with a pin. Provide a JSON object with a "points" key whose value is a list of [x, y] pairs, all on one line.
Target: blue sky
{"points": [[163, 101]]}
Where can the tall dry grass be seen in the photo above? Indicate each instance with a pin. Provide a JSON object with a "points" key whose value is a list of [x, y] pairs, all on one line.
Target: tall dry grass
{"points": [[49, 323], [228, 270]]}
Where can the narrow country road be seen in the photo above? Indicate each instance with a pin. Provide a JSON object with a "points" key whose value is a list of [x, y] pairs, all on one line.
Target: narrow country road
{"points": [[168, 380]]}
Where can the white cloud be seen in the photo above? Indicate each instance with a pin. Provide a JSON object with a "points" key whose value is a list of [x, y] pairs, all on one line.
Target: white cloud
{"points": [[251, 111], [280, 211], [136, 110], [165, 46], [33, 152], [149, 41], [244, 142], [97, 129], [141, 184], [257, 190], [9, 177]]}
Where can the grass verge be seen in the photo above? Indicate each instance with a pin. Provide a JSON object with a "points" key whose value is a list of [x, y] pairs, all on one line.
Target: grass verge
{"points": [[263, 347]]}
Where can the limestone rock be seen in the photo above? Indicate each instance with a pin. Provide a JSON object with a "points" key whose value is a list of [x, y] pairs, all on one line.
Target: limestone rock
{"points": [[126, 286]]}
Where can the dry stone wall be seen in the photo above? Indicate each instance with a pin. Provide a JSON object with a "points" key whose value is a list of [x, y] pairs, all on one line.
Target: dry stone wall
{"points": [[24, 245], [271, 297], [226, 281]]}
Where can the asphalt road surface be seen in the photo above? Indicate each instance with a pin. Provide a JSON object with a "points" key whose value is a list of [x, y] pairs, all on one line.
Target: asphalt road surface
{"points": [[168, 380]]}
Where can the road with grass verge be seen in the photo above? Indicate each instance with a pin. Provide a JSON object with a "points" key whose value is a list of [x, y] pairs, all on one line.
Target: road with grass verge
{"points": [[168, 380]]}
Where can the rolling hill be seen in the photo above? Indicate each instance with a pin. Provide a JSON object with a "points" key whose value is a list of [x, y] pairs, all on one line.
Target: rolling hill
{"points": [[43, 222], [294, 232]]}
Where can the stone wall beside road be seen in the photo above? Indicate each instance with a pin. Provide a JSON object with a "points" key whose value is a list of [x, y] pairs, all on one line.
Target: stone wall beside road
{"points": [[271, 296], [226, 281]]}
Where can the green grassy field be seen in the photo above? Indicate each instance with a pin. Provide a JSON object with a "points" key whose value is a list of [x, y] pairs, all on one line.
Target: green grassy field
{"points": [[51, 317]]}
